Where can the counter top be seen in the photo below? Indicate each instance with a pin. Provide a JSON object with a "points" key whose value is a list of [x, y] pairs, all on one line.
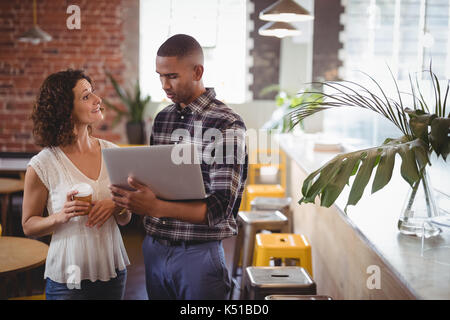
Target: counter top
{"points": [[423, 265], [14, 164]]}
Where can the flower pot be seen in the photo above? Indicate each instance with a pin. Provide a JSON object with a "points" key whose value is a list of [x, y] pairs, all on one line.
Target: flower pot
{"points": [[136, 132], [419, 210]]}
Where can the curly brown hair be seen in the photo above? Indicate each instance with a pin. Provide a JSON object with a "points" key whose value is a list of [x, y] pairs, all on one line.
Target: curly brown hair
{"points": [[52, 113]]}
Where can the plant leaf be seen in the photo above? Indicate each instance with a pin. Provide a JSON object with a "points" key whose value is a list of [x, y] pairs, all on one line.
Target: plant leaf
{"points": [[419, 122], [335, 186], [329, 180], [408, 168], [123, 95], [384, 169], [440, 141], [363, 176], [327, 172]]}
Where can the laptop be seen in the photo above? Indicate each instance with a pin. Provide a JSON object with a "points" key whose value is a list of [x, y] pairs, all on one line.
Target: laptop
{"points": [[172, 172]]}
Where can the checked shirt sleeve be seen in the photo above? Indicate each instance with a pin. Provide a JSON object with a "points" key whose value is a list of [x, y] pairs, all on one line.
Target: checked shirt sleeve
{"points": [[228, 172]]}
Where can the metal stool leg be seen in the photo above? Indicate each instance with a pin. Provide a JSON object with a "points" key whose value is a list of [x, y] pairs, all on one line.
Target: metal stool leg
{"points": [[247, 255]]}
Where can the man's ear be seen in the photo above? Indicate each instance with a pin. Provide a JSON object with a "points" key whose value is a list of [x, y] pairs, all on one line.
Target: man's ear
{"points": [[198, 72]]}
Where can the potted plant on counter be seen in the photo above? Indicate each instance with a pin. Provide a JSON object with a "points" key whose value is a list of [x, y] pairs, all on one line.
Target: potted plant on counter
{"points": [[425, 129], [135, 104], [285, 102]]}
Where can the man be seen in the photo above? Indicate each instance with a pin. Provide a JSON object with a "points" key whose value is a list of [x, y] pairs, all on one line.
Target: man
{"points": [[183, 253]]}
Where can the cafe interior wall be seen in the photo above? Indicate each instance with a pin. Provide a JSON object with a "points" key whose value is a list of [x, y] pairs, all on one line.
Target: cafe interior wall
{"points": [[108, 38]]}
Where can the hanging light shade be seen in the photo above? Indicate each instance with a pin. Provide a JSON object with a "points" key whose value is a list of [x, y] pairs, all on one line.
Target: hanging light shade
{"points": [[285, 11], [278, 29], [35, 35]]}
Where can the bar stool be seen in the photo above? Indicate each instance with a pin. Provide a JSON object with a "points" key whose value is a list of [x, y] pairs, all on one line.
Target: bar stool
{"points": [[7, 188], [282, 245], [249, 224], [254, 190], [272, 204], [264, 281]]}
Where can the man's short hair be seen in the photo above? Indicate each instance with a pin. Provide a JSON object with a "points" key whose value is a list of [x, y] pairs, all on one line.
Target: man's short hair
{"points": [[180, 46]]}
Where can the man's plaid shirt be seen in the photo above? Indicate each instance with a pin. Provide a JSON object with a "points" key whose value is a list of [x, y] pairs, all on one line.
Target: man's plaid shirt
{"points": [[205, 122]]}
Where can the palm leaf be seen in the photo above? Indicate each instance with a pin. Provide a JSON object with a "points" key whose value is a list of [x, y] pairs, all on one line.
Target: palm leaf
{"points": [[123, 95], [423, 133], [329, 181], [363, 176], [439, 136], [270, 89], [133, 101]]}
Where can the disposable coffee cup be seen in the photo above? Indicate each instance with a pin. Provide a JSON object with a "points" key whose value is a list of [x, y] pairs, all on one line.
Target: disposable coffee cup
{"points": [[85, 192]]}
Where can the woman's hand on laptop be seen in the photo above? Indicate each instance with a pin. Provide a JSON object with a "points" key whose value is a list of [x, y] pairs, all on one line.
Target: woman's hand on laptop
{"points": [[141, 201]]}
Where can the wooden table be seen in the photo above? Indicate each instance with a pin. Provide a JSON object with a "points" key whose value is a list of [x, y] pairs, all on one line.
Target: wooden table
{"points": [[19, 254], [8, 187]]}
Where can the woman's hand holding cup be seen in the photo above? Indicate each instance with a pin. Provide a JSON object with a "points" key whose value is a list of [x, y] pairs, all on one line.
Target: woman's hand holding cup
{"points": [[78, 202], [72, 208]]}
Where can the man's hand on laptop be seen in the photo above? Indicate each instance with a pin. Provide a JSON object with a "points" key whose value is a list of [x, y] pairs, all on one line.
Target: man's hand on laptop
{"points": [[141, 201]]}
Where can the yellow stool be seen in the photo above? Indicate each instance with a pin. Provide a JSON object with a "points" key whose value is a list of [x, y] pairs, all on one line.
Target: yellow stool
{"points": [[253, 190], [282, 245], [263, 190]]}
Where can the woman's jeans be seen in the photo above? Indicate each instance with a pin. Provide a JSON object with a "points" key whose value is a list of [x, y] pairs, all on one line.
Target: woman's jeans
{"points": [[113, 289]]}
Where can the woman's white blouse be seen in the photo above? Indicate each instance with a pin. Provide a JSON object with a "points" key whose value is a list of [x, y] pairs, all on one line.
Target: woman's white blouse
{"points": [[78, 252]]}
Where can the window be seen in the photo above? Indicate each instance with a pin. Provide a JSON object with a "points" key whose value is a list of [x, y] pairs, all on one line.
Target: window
{"points": [[400, 35], [404, 34], [220, 28]]}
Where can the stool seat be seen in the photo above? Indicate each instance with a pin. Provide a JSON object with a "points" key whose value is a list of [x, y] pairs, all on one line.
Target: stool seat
{"points": [[282, 245], [271, 204], [284, 241], [263, 281], [263, 190], [249, 224], [262, 218]]}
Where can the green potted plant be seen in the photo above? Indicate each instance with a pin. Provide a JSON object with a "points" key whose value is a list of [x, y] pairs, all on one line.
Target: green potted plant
{"points": [[135, 104], [425, 129], [286, 101]]}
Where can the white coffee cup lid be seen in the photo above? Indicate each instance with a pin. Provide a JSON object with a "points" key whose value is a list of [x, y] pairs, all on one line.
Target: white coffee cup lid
{"points": [[84, 189]]}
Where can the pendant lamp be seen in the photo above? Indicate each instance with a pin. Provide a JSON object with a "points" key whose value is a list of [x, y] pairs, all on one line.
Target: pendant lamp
{"points": [[278, 29], [285, 11], [35, 35]]}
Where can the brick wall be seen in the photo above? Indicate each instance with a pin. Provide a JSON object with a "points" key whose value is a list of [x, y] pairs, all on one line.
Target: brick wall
{"points": [[101, 43]]}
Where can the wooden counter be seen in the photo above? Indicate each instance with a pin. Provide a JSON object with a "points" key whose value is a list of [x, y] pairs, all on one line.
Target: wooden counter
{"points": [[362, 255]]}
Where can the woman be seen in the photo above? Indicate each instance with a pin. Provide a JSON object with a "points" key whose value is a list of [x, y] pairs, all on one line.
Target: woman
{"points": [[86, 257]]}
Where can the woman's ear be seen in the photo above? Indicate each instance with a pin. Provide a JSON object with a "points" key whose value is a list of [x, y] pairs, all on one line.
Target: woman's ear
{"points": [[198, 72]]}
